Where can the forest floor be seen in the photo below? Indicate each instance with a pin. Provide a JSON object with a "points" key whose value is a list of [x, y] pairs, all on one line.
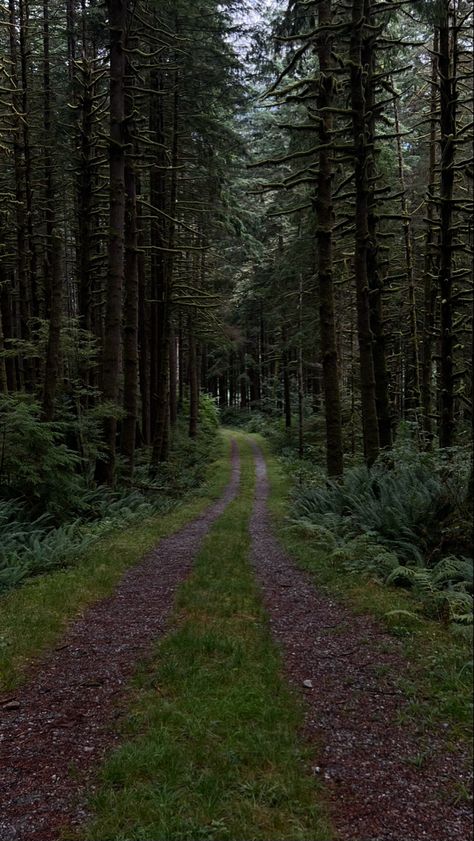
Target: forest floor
{"points": [[212, 691]]}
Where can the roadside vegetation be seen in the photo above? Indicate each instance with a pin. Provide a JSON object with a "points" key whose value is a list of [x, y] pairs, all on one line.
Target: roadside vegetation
{"points": [[436, 643], [404, 522], [51, 510], [33, 617]]}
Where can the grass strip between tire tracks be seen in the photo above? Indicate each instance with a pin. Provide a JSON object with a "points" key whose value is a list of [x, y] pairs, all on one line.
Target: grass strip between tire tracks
{"points": [[211, 745]]}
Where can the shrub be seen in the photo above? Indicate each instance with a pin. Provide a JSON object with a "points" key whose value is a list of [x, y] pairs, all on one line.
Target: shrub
{"points": [[49, 515], [393, 523], [446, 589], [208, 414], [35, 463], [402, 507]]}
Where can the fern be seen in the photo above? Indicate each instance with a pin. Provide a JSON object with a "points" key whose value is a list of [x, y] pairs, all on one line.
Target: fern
{"points": [[48, 514], [455, 572], [405, 614], [385, 520], [445, 590]]}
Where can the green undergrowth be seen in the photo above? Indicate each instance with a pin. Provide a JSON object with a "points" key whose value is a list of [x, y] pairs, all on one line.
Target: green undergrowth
{"points": [[51, 510], [438, 679], [211, 746], [404, 522], [33, 617]]}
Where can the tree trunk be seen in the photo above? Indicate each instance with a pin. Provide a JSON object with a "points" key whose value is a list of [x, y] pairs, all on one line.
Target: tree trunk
{"points": [[23, 252], [286, 382], [6, 307], [130, 330], [173, 360], [49, 196], [71, 40], [161, 437], [470, 484], [143, 335], [374, 275], [325, 216], [53, 279], [223, 390], [180, 362], [31, 291], [413, 361], [448, 103], [430, 290], [111, 357], [231, 380], [53, 352], [3, 369], [300, 373], [158, 244], [359, 122], [193, 384], [243, 380], [85, 182]]}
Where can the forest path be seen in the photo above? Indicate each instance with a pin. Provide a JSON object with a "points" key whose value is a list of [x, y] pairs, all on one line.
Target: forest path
{"points": [[58, 727], [387, 780]]}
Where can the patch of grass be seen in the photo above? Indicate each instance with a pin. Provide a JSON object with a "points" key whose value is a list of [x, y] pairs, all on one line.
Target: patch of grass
{"points": [[438, 682], [212, 748], [33, 618]]}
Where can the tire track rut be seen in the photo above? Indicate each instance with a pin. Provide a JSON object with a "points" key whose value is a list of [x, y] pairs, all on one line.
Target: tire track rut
{"points": [[51, 743], [343, 663]]}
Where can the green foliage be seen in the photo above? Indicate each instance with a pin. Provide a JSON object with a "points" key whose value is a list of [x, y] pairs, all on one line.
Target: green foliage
{"points": [[188, 457], [208, 414], [36, 465], [392, 522], [260, 423], [361, 554], [33, 617], [49, 513], [431, 10], [29, 548], [438, 681], [446, 589], [241, 418], [400, 502]]}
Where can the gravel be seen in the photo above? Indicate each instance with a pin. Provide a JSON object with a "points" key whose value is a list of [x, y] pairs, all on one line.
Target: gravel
{"points": [[55, 730], [386, 782]]}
